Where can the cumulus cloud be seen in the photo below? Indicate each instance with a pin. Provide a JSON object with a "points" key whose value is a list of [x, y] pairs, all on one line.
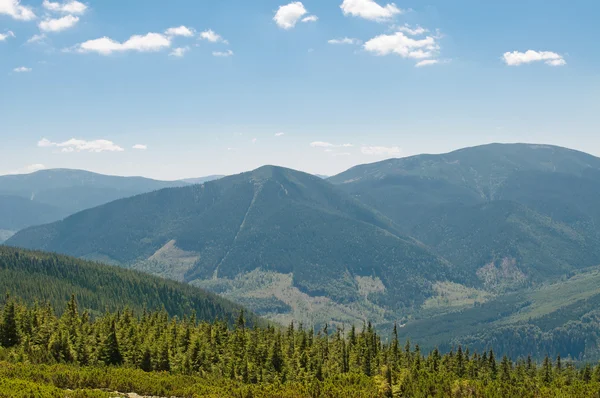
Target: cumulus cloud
{"points": [[517, 58], [77, 145], [227, 53], [140, 147], [14, 9], [4, 36], [212, 37], [369, 9], [279, 134], [345, 40], [179, 52], [58, 24], [69, 7], [22, 69], [380, 150], [287, 16], [180, 31], [427, 62], [404, 46], [417, 31], [150, 42], [310, 18]]}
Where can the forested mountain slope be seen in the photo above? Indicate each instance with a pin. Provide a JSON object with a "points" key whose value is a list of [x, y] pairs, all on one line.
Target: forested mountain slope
{"points": [[280, 241], [49, 195], [532, 206], [49, 278]]}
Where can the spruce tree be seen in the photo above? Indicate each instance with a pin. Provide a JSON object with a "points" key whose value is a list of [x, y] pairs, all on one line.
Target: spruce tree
{"points": [[110, 353], [9, 331]]}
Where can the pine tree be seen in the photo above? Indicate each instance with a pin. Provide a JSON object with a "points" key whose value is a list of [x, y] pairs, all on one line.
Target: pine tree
{"points": [[547, 370], [493, 365], [146, 362], [460, 362], [388, 393], [505, 369], [110, 353], [9, 331]]}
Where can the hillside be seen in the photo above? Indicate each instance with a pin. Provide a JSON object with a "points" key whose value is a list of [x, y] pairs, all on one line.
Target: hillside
{"points": [[44, 277], [282, 242], [533, 206], [50, 195]]}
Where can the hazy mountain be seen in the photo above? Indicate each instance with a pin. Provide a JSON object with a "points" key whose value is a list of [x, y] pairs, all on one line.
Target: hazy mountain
{"points": [[50, 195], [50, 278], [202, 180], [283, 242]]}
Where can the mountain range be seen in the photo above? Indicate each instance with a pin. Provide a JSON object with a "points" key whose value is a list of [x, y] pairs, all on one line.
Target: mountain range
{"points": [[50, 195], [429, 238]]}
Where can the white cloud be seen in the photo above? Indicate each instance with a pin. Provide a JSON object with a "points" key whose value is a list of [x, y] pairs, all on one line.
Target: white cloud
{"points": [[4, 36], [288, 16], [69, 7], [76, 145], [279, 134], [400, 44], [140, 147], [310, 18], [254, 140], [22, 69], [180, 31], [417, 31], [427, 62], [227, 53], [58, 24], [106, 46], [517, 58], [14, 9], [36, 38], [380, 150], [369, 9], [345, 40], [212, 36], [322, 144], [179, 52]]}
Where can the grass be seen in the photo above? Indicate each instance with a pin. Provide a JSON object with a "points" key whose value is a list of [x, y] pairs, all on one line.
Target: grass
{"points": [[550, 298]]}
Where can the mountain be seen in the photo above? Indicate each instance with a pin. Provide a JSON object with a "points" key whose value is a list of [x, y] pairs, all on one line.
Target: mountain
{"points": [[509, 212], [50, 195], [405, 189], [286, 244], [37, 277], [202, 180]]}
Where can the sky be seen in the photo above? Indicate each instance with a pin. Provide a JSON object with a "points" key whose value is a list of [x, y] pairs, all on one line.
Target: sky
{"points": [[189, 88]]}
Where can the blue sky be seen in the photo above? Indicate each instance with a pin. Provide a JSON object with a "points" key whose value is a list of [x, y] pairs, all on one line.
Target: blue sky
{"points": [[240, 84]]}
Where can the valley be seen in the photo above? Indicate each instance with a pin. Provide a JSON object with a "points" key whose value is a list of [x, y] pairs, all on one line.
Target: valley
{"points": [[465, 237]]}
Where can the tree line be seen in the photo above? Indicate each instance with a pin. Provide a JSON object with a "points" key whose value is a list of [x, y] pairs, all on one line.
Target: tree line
{"points": [[297, 357]]}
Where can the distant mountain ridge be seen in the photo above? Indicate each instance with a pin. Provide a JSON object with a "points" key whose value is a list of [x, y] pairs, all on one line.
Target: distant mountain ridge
{"points": [[50, 195], [403, 240], [277, 229]]}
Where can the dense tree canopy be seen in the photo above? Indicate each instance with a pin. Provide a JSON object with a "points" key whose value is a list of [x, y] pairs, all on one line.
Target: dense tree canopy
{"points": [[187, 358]]}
